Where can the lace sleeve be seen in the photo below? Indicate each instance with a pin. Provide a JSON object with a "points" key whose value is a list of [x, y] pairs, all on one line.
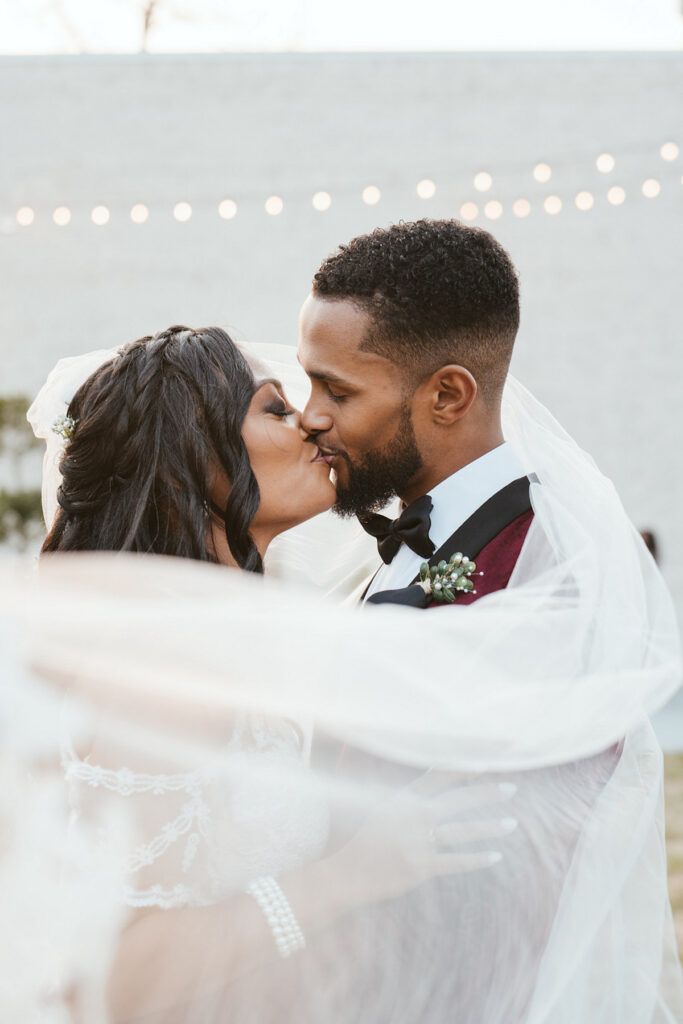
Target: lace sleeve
{"points": [[192, 838]]}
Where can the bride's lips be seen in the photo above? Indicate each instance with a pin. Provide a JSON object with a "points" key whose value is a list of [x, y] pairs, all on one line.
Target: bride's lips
{"points": [[324, 456]]}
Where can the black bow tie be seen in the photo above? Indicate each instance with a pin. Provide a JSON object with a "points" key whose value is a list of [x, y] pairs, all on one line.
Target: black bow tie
{"points": [[411, 528]]}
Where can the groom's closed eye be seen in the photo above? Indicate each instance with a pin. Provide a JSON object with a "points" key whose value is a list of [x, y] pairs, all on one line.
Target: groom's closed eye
{"points": [[334, 396], [335, 388]]}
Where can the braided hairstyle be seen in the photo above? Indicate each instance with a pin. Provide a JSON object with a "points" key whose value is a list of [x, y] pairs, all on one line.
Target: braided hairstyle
{"points": [[154, 425]]}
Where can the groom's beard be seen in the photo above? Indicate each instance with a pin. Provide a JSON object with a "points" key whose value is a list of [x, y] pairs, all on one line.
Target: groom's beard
{"points": [[380, 474]]}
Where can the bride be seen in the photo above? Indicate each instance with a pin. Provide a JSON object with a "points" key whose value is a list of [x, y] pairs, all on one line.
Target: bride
{"points": [[194, 693], [183, 444], [180, 446]]}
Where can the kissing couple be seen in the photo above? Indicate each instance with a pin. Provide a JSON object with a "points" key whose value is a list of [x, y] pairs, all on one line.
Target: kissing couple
{"points": [[387, 816]]}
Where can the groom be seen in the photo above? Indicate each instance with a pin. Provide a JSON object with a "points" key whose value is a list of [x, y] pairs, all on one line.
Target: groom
{"points": [[407, 338]]}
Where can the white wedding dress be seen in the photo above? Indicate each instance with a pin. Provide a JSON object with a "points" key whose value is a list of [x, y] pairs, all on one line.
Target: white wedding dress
{"points": [[178, 797], [202, 835]]}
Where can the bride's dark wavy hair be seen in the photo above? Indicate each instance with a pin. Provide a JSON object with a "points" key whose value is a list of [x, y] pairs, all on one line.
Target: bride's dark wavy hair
{"points": [[153, 426]]}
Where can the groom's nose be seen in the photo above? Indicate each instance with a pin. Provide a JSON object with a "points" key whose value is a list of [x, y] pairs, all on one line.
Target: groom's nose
{"points": [[314, 419]]}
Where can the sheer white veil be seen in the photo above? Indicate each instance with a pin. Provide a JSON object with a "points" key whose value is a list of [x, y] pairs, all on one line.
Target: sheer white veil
{"points": [[49, 408], [196, 673]]}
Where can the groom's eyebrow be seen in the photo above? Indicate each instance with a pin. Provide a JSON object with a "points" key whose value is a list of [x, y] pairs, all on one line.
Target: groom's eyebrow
{"points": [[324, 375], [330, 378]]}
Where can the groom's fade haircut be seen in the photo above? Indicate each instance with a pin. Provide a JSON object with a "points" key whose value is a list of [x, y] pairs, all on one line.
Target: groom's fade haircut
{"points": [[437, 292]]}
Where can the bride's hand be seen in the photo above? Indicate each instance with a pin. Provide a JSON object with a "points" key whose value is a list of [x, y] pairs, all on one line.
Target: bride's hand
{"points": [[419, 833]]}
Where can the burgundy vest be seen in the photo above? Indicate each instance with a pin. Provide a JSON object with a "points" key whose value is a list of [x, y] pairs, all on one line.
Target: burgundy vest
{"points": [[497, 560], [492, 537]]}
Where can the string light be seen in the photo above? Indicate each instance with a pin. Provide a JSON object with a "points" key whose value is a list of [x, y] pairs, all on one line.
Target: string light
{"points": [[542, 173], [62, 216], [521, 207], [616, 195], [426, 189], [651, 188], [605, 163], [469, 211], [322, 201], [227, 209], [669, 151], [25, 216], [371, 195], [100, 216], [274, 206], [182, 212], [584, 200], [139, 213]]}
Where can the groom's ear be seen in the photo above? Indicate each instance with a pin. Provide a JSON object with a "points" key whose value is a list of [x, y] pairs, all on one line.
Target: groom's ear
{"points": [[449, 393]]}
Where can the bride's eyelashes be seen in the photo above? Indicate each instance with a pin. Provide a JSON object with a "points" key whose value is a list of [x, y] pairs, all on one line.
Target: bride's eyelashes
{"points": [[276, 404], [279, 409]]}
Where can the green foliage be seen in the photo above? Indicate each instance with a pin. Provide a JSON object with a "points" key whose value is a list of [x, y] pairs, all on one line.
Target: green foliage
{"points": [[447, 579], [16, 436], [20, 510], [13, 409], [20, 514]]}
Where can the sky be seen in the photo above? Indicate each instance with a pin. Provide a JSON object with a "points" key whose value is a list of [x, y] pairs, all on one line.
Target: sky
{"points": [[115, 26]]}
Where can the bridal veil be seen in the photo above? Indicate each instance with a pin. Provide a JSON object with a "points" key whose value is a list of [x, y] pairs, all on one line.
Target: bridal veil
{"points": [[174, 730]]}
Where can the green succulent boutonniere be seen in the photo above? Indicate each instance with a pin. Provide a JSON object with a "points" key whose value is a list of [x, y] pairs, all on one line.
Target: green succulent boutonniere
{"points": [[443, 582]]}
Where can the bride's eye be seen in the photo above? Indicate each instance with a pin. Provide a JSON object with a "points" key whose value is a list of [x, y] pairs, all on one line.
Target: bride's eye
{"points": [[279, 409]]}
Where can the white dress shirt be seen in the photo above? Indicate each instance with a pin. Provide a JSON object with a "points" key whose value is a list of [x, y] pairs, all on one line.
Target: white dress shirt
{"points": [[454, 501]]}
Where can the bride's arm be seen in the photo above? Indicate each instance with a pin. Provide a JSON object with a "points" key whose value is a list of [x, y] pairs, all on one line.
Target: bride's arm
{"points": [[194, 951], [167, 957]]}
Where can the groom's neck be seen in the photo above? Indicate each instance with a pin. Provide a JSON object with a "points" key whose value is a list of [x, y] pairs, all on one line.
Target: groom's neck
{"points": [[444, 460]]}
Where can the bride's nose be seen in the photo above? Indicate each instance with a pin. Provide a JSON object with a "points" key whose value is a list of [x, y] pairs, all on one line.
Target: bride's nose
{"points": [[306, 438], [302, 431]]}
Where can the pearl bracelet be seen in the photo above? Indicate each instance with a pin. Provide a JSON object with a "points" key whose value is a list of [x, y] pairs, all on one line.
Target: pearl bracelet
{"points": [[285, 928]]}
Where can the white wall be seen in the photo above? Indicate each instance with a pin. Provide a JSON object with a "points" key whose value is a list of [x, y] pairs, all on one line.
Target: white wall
{"points": [[601, 340]]}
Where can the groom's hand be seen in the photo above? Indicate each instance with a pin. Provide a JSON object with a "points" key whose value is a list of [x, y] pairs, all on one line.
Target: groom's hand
{"points": [[422, 832]]}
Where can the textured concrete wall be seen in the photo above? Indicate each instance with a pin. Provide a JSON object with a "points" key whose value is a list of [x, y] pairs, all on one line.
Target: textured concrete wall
{"points": [[601, 336]]}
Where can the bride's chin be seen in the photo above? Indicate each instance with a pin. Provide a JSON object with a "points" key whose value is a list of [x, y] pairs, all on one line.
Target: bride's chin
{"points": [[316, 501], [328, 496]]}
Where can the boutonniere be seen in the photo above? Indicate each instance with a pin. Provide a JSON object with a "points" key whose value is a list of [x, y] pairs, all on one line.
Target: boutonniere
{"points": [[443, 582]]}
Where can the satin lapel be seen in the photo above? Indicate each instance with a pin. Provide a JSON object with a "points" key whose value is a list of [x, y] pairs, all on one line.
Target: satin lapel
{"points": [[487, 522], [357, 595], [369, 584]]}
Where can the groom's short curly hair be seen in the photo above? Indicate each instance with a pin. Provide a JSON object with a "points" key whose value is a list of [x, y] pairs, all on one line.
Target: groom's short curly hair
{"points": [[437, 292]]}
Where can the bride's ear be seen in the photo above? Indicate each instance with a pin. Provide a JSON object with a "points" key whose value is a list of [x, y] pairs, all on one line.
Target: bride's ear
{"points": [[450, 392]]}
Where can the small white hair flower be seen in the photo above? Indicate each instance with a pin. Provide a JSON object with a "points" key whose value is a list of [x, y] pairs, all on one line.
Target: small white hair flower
{"points": [[64, 426]]}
